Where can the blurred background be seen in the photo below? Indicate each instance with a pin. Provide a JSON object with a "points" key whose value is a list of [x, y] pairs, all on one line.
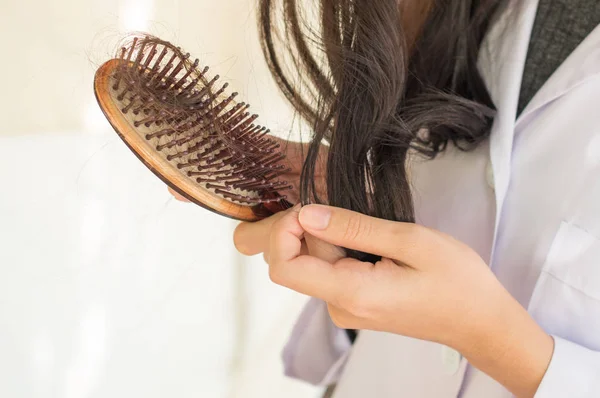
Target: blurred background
{"points": [[108, 286]]}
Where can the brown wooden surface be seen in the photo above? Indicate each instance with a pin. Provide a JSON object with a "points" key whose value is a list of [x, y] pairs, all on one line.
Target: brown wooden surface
{"points": [[166, 171]]}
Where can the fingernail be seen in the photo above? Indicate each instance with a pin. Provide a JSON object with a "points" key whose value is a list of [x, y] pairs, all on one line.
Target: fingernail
{"points": [[315, 217]]}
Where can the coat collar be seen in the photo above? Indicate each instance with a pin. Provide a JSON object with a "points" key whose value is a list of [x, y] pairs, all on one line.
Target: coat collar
{"points": [[582, 64], [502, 63]]}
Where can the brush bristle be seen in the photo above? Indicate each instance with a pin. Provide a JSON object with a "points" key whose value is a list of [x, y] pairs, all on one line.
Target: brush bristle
{"points": [[195, 126]]}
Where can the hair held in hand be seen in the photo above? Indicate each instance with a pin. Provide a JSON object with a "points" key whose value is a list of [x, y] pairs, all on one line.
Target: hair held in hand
{"points": [[376, 79]]}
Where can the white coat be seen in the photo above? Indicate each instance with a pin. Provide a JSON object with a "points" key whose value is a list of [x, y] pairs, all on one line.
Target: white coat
{"points": [[528, 201]]}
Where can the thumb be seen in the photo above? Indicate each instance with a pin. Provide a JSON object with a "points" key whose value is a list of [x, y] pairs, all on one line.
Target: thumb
{"points": [[345, 228]]}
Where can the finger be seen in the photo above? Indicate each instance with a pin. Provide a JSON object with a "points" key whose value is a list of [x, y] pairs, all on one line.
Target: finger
{"points": [[404, 242], [323, 250], [251, 238], [285, 238], [344, 319], [177, 195], [289, 267], [303, 251]]}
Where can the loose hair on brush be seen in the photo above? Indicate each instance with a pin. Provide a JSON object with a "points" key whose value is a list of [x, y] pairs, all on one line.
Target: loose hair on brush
{"points": [[185, 127], [374, 82]]}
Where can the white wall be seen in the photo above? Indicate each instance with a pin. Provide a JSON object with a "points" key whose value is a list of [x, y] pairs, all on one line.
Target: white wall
{"points": [[50, 50], [108, 287]]}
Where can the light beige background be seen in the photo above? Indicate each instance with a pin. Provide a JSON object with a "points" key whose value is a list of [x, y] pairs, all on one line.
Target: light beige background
{"points": [[50, 50], [108, 287]]}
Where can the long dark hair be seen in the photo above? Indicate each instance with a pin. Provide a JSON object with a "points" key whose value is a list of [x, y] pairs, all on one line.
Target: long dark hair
{"points": [[374, 83]]}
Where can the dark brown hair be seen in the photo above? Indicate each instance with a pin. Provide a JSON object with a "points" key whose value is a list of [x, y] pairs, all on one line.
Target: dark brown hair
{"points": [[374, 82]]}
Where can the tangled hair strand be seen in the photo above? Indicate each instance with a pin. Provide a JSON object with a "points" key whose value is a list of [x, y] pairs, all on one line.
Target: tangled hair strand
{"points": [[374, 84]]}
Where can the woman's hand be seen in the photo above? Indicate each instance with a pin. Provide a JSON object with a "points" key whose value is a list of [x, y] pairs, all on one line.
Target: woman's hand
{"points": [[427, 286]]}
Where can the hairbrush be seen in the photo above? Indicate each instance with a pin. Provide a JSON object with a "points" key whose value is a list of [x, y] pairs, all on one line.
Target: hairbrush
{"points": [[200, 141]]}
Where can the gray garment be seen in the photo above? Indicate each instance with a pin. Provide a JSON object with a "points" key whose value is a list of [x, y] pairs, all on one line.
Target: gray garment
{"points": [[560, 26]]}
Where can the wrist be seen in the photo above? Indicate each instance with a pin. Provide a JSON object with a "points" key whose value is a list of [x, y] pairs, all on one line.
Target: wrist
{"points": [[509, 346]]}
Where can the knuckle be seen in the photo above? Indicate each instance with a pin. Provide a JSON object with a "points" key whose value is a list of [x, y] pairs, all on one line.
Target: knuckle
{"points": [[356, 228], [357, 303], [362, 310], [281, 221], [338, 319], [358, 306], [278, 224], [275, 275], [398, 231]]}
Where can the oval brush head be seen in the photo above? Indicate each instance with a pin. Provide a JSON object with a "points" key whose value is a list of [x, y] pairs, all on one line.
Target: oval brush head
{"points": [[198, 140]]}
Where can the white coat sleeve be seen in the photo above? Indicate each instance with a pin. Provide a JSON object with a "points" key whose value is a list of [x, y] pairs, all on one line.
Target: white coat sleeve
{"points": [[317, 349], [574, 372]]}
